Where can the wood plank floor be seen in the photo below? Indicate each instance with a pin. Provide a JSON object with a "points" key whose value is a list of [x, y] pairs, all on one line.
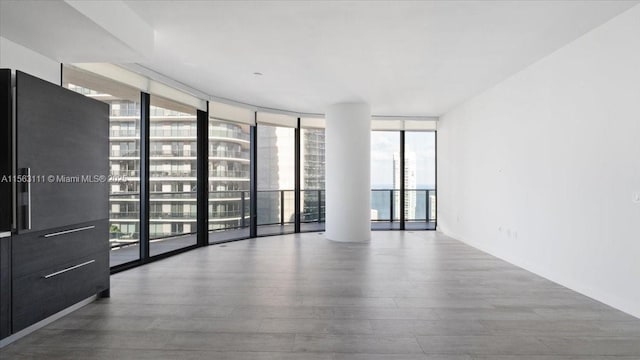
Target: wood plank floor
{"points": [[404, 296]]}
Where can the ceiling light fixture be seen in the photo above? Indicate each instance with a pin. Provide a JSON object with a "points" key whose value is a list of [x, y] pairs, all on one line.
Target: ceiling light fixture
{"points": [[257, 73]]}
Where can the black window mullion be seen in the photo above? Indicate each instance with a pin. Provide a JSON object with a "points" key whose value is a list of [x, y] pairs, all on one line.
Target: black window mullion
{"points": [[253, 182], [145, 108], [202, 177], [297, 166], [401, 208], [435, 225]]}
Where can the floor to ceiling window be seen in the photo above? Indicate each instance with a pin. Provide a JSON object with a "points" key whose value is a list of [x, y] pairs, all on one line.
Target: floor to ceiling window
{"points": [[172, 175], [416, 173], [420, 179], [229, 180], [385, 177], [124, 158], [312, 184], [276, 177]]}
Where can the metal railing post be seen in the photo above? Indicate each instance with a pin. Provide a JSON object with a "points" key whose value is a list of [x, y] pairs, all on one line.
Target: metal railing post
{"points": [[428, 206], [319, 206], [391, 205], [242, 208], [281, 207]]}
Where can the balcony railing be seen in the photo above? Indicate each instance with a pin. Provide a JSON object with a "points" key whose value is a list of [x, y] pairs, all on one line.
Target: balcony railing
{"points": [[229, 154], [230, 209], [172, 173], [228, 194], [313, 206], [228, 134], [124, 132], [174, 195], [161, 215], [125, 112], [155, 132], [275, 207], [124, 153], [420, 205], [229, 173], [125, 195], [173, 152], [125, 215], [181, 152], [124, 172]]}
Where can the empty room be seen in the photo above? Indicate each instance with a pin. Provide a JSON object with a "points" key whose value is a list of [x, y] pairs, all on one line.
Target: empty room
{"points": [[322, 180]]}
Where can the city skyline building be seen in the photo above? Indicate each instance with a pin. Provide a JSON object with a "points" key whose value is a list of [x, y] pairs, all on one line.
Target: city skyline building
{"points": [[312, 153], [410, 183]]}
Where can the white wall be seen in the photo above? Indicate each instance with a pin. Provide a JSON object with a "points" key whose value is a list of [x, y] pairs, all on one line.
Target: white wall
{"points": [[542, 169], [17, 57]]}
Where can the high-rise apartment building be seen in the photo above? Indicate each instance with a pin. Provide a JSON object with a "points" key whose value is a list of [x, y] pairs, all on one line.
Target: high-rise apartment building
{"points": [[229, 168], [172, 168], [313, 174], [409, 176]]}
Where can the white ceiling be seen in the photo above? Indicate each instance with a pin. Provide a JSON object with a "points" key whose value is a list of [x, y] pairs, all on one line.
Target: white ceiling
{"points": [[404, 58], [57, 30]]}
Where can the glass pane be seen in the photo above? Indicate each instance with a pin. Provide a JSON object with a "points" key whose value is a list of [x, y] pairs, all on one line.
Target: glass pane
{"points": [[124, 159], [172, 176], [385, 181], [312, 156], [420, 172], [229, 167], [276, 169]]}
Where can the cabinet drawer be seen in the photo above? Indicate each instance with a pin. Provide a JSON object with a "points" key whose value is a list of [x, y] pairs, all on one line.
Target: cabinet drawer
{"points": [[43, 293], [36, 251]]}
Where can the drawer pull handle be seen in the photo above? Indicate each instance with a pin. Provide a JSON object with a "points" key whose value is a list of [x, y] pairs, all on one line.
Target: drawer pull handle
{"points": [[70, 231], [68, 269]]}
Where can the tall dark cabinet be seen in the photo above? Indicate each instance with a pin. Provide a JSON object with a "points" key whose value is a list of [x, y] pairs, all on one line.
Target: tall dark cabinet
{"points": [[6, 203], [56, 207]]}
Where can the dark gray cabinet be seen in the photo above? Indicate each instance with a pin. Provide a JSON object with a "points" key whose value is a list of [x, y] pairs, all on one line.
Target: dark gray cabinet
{"points": [[54, 270], [6, 144], [58, 253], [5, 285], [6, 202], [62, 137]]}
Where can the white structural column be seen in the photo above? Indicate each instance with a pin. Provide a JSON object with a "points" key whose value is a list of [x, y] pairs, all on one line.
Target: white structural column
{"points": [[348, 172]]}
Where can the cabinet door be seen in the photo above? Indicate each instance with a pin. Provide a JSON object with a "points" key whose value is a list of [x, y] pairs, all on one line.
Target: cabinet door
{"points": [[62, 138], [6, 208]]}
